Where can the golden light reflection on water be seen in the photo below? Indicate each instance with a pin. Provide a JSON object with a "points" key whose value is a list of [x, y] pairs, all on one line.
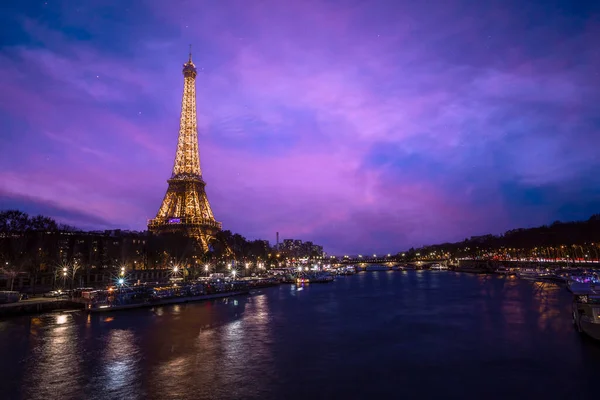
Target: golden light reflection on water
{"points": [[546, 297], [57, 359], [34, 325], [525, 303], [260, 309]]}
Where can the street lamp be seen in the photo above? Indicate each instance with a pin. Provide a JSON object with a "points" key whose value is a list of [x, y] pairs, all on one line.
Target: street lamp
{"points": [[233, 273]]}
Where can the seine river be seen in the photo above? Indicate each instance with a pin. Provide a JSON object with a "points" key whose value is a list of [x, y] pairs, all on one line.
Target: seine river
{"points": [[374, 335]]}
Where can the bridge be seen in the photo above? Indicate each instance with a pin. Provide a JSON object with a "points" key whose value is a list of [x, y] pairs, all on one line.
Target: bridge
{"points": [[390, 261]]}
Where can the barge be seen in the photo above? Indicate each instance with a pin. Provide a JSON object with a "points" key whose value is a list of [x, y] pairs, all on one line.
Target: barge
{"points": [[586, 309], [140, 296]]}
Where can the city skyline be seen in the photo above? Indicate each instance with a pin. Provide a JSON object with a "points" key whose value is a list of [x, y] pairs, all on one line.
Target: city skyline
{"points": [[363, 128]]}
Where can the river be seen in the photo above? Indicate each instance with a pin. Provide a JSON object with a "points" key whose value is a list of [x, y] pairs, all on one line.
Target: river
{"points": [[388, 335]]}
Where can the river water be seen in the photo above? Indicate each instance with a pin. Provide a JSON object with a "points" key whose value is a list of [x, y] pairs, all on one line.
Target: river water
{"points": [[430, 334]]}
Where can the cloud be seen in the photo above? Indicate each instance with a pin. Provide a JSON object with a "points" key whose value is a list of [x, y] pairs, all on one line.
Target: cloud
{"points": [[368, 128], [69, 216]]}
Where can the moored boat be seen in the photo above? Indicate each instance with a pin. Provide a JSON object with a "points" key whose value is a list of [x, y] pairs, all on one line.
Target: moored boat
{"points": [[438, 267], [502, 270], [534, 274], [314, 278], [120, 298], [586, 309], [581, 279]]}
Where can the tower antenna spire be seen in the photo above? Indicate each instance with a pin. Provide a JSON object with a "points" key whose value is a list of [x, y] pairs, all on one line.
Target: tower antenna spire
{"points": [[190, 60]]}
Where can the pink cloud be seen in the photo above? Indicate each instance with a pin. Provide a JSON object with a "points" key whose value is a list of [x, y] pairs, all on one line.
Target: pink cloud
{"points": [[296, 102]]}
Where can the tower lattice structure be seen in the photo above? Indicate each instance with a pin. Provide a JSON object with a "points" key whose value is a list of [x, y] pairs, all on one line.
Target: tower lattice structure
{"points": [[185, 208]]}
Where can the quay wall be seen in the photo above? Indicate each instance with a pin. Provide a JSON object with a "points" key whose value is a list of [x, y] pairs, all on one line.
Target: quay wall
{"points": [[35, 307]]}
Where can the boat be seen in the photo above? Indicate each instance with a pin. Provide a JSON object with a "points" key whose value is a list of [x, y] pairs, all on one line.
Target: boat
{"points": [[438, 267], [586, 309], [138, 296], [314, 278], [534, 274], [507, 271], [581, 279]]}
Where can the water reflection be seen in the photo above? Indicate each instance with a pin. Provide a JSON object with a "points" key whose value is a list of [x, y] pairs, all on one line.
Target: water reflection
{"points": [[54, 370], [314, 343], [120, 360]]}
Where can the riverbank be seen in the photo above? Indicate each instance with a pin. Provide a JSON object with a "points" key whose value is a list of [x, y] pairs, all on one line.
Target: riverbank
{"points": [[176, 300], [37, 305]]}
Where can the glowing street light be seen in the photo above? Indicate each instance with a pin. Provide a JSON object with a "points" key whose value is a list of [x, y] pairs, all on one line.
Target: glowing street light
{"points": [[206, 267], [121, 281], [233, 273], [175, 269]]}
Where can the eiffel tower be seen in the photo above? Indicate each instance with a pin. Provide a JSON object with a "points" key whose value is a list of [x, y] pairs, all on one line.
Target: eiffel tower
{"points": [[185, 208]]}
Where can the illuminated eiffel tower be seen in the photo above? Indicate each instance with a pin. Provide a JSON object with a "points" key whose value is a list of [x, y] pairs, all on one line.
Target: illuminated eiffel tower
{"points": [[185, 208]]}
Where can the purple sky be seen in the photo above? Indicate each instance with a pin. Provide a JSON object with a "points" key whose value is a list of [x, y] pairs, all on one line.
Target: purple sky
{"points": [[365, 126]]}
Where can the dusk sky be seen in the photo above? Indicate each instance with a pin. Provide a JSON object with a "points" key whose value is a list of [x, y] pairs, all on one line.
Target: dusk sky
{"points": [[364, 126]]}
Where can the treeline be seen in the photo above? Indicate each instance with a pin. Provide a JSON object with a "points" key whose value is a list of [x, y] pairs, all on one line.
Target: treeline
{"points": [[39, 246], [15, 221], [553, 240]]}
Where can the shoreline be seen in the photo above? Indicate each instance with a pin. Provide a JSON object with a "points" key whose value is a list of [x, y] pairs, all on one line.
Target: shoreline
{"points": [[180, 300]]}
